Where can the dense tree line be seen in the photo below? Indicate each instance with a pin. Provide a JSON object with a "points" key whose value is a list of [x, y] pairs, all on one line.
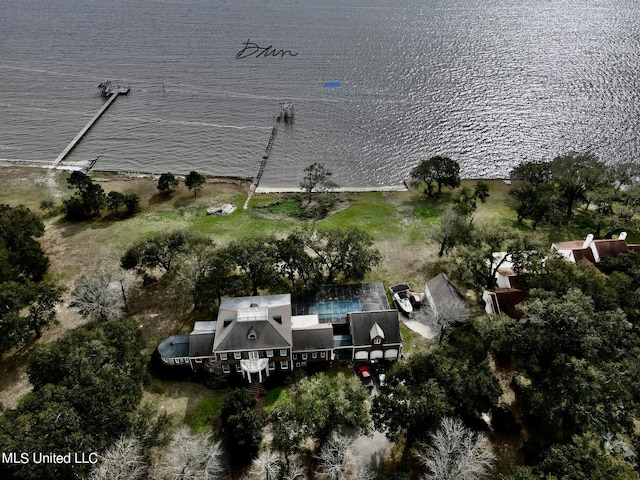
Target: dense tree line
{"points": [[28, 300], [90, 199], [577, 363], [307, 257], [87, 388], [552, 191], [454, 379]]}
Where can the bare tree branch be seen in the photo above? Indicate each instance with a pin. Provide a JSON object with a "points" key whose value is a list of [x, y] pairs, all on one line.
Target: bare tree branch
{"points": [[98, 297], [337, 461], [189, 457], [455, 452], [123, 461], [447, 313]]}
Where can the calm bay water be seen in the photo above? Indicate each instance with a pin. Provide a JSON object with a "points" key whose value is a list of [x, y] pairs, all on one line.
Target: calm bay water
{"points": [[489, 83]]}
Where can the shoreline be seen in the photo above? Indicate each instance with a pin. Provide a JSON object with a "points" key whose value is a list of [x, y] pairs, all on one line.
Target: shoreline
{"points": [[405, 186]]}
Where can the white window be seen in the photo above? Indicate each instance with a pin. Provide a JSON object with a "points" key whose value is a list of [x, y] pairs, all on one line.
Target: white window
{"points": [[198, 360], [223, 356], [284, 365], [304, 364], [295, 356], [297, 364], [322, 355], [253, 356], [283, 352], [269, 353], [272, 365], [377, 340], [238, 367], [237, 355], [314, 355], [177, 360], [304, 356], [226, 369]]}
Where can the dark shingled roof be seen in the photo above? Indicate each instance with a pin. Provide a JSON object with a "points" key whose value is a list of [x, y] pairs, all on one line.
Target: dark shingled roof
{"points": [[508, 298], [175, 346], [610, 248], [361, 323], [201, 344], [316, 338], [267, 337], [442, 289]]}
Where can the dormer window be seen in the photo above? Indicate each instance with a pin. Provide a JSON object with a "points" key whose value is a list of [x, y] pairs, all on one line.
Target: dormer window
{"points": [[252, 334], [376, 334]]}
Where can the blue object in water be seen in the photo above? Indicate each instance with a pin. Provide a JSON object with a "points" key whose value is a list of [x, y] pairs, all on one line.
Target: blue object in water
{"points": [[332, 84]]}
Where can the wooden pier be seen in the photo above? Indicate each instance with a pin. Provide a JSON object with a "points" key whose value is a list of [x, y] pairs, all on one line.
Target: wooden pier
{"points": [[112, 95], [267, 150]]}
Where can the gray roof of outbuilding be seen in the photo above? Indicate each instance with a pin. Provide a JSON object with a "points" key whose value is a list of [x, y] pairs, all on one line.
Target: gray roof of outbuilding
{"points": [[361, 323], [201, 344], [442, 289], [175, 346], [316, 338]]}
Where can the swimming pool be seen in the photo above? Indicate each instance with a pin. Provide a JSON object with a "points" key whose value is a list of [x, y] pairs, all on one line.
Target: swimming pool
{"points": [[335, 308]]}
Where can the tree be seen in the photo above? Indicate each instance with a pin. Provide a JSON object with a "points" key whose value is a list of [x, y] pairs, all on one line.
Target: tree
{"points": [[441, 170], [89, 198], [86, 389], [122, 461], [419, 392], [455, 452], [453, 228], [266, 466], [160, 251], [346, 251], [115, 200], [318, 406], [316, 176], [574, 175], [585, 458], [448, 313], [336, 461], [27, 309], [42, 311], [97, 298], [21, 256], [241, 426], [256, 259], [167, 183], [477, 264], [194, 181], [189, 457], [293, 260], [132, 202]]}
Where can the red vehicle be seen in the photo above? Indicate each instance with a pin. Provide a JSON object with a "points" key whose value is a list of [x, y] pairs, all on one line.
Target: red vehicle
{"points": [[365, 376]]}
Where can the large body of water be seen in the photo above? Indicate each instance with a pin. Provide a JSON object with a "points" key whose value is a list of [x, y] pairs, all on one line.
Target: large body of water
{"points": [[490, 83]]}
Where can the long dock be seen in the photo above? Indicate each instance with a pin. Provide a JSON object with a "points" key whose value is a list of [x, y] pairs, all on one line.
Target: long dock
{"points": [[272, 138], [74, 142]]}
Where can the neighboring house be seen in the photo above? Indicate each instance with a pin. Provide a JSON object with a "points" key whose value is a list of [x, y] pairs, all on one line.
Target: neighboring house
{"points": [[440, 290], [504, 300], [594, 250], [255, 336]]}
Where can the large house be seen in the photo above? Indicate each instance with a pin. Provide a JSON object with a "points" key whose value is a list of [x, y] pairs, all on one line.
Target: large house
{"points": [[255, 336], [512, 290], [594, 250]]}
